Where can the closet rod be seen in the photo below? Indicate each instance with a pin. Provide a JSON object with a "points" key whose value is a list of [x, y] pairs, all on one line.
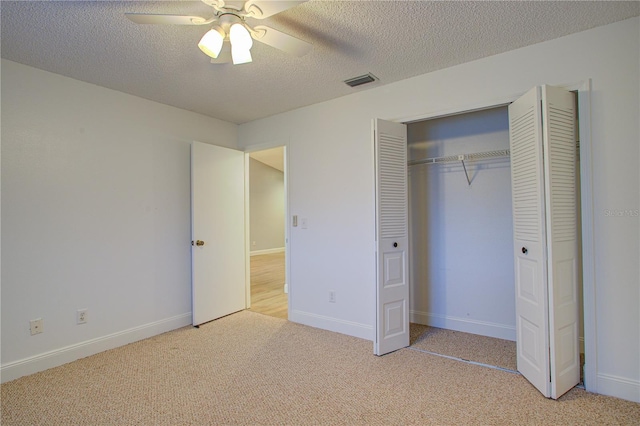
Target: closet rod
{"points": [[455, 158]]}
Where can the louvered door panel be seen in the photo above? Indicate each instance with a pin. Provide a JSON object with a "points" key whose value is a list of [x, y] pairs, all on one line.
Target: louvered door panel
{"points": [[393, 186], [527, 187], [392, 287], [562, 178], [525, 160], [558, 117]]}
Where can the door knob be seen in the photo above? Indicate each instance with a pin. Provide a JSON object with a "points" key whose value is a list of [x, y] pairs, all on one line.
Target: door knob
{"points": [[199, 242], [395, 244], [524, 250]]}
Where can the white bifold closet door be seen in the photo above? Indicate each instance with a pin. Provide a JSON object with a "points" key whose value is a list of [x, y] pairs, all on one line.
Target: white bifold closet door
{"points": [[543, 150], [392, 240]]}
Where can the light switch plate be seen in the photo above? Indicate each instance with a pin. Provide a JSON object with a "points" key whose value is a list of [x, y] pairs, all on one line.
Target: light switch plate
{"points": [[36, 326]]}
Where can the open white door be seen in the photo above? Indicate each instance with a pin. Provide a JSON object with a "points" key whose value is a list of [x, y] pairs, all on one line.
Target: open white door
{"points": [[217, 232], [541, 131], [392, 287]]}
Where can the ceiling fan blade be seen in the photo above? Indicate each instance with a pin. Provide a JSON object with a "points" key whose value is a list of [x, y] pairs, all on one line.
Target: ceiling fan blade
{"points": [[280, 40], [261, 9], [217, 4], [147, 18]]}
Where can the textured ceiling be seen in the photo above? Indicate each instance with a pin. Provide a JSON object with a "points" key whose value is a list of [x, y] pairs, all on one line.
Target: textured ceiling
{"points": [[92, 41]]}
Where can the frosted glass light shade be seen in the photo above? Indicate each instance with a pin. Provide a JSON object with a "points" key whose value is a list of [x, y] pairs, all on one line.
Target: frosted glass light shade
{"points": [[241, 44], [240, 56], [240, 37], [211, 42]]}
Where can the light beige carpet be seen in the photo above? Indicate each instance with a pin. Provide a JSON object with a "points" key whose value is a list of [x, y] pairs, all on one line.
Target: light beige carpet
{"points": [[251, 369], [471, 347]]}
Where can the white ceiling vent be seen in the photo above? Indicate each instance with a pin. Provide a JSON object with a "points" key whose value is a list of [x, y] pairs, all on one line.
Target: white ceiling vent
{"points": [[363, 79]]}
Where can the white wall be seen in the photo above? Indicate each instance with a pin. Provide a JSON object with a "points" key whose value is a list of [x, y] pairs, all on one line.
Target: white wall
{"points": [[331, 181], [95, 215], [462, 275], [266, 188]]}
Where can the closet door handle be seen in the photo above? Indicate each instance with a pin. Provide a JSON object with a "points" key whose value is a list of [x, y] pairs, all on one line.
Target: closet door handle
{"points": [[524, 250], [395, 244]]}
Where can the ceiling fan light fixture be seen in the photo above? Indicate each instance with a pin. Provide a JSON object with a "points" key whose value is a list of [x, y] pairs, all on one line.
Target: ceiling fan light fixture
{"points": [[211, 42], [229, 25]]}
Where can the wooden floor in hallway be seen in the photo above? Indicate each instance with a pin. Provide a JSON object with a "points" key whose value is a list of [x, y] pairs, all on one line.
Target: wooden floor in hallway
{"points": [[267, 285]]}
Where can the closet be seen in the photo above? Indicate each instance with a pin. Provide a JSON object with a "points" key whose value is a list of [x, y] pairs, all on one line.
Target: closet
{"points": [[493, 210], [461, 227]]}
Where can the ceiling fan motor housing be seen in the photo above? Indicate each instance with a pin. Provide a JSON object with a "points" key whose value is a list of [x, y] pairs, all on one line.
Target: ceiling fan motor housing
{"points": [[226, 19]]}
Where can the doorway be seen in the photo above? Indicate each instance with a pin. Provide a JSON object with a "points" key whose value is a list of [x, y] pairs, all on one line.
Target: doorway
{"points": [[267, 235]]}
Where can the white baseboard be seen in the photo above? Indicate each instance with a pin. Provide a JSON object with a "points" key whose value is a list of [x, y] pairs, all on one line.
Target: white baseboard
{"points": [[349, 328], [483, 328], [267, 251], [57, 357], [620, 387]]}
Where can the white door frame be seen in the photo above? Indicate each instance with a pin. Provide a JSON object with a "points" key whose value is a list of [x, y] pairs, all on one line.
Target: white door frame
{"points": [[287, 231], [583, 89]]}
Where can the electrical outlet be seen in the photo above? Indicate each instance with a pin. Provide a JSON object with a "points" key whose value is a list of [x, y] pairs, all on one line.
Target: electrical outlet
{"points": [[332, 296], [82, 316], [36, 326]]}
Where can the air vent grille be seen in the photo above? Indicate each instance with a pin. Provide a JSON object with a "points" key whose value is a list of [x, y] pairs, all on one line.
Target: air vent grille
{"points": [[358, 81]]}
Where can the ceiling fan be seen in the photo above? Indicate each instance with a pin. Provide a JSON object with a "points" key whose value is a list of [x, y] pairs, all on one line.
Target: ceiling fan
{"points": [[229, 24]]}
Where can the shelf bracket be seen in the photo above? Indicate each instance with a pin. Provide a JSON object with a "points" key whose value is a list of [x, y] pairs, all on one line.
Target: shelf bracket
{"points": [[461, 158]]}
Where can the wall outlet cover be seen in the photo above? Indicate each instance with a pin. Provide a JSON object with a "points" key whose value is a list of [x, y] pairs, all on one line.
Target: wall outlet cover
{"points": [[82, 316], [36, 326]]}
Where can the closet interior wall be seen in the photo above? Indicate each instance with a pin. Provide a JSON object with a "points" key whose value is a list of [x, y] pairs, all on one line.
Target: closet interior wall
{"points": [[461, 233]]}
